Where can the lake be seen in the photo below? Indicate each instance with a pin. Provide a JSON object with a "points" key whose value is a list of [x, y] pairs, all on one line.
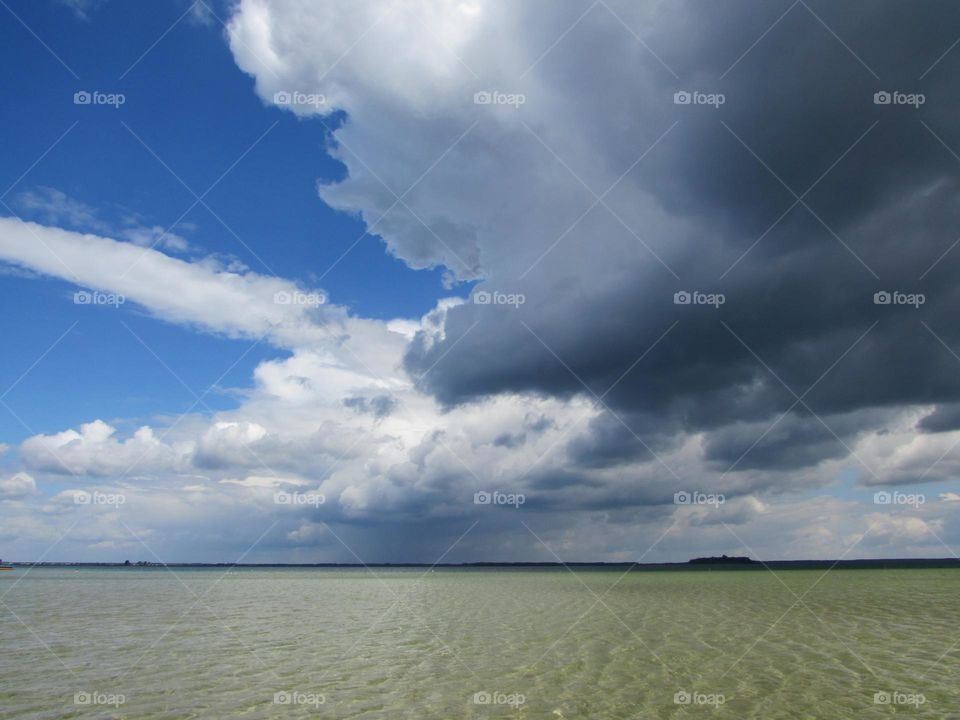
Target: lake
{"points": [[478, 643]]}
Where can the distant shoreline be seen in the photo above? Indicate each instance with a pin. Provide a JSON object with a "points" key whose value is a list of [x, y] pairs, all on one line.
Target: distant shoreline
{"points": [[700, 565]]}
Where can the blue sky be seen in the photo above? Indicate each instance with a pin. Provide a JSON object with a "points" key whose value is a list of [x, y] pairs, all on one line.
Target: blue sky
{"points": [[186, 99]]}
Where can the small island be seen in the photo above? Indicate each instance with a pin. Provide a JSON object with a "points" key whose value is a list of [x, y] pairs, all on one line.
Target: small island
{"points": [[722, 560]]}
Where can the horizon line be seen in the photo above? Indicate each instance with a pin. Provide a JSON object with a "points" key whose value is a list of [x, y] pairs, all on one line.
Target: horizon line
{"points": [[734, 561]]}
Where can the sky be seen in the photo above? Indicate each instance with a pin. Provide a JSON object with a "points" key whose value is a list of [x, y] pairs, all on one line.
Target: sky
{"points": [[423, 281]]}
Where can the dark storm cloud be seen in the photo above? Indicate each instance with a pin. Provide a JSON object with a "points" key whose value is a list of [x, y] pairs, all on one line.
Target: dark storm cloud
{"points": [[797, 440], [799, 308], [944, 418], [613, 440], [800, 98]]}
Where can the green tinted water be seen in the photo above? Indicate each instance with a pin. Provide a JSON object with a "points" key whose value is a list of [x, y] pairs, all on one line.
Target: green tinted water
{"points": [[130, 643]]}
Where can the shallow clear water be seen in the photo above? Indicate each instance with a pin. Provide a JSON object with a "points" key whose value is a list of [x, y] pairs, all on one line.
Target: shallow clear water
{"points": [[407, 643]]}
